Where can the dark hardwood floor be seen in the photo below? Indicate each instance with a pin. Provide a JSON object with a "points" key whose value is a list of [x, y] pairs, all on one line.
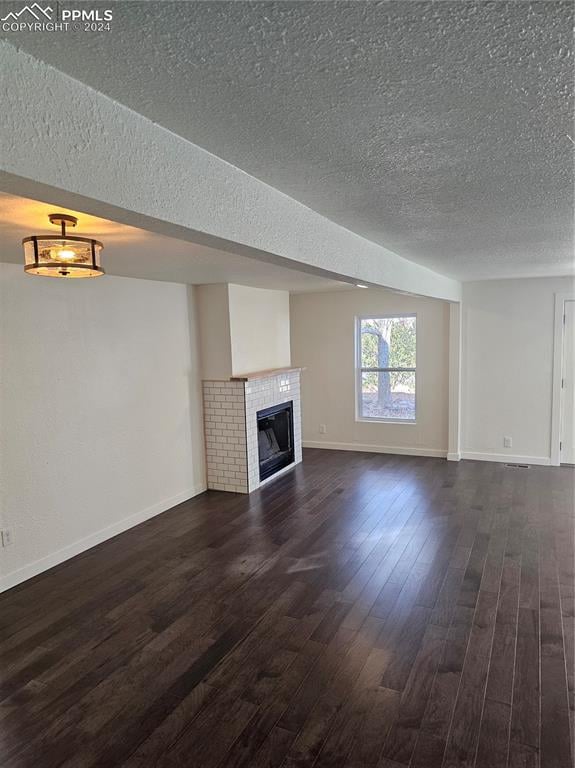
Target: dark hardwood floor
{"points": [[364, 610]]}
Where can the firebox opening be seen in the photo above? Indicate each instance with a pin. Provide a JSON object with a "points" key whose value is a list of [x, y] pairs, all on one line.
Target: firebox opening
{"points": [[275, 438]]}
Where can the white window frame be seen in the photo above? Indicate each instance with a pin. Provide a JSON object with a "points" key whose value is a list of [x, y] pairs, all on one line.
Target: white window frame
{"points": [[359, 370]]}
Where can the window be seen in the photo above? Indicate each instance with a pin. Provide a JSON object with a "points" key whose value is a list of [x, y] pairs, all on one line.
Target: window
{"points": [[386, 368]]}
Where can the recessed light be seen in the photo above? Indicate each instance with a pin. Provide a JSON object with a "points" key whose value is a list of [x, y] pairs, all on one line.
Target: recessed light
{"points": [[361, 285]]}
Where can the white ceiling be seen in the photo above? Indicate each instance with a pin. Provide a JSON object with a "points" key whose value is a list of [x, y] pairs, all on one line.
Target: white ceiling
{"points": [[132, 252], [438, 129]]}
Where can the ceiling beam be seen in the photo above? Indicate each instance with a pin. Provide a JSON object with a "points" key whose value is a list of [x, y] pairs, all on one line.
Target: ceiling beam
{"points": [[68, 144]]}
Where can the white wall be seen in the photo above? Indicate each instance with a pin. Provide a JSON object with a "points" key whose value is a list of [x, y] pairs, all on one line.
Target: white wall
{"points": [[242, 330], [213, 316], [100, 409], [507, 367], [260, 329], [322, 336]]}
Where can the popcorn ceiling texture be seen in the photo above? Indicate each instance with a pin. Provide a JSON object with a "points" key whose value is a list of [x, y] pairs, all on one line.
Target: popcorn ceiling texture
{"points": [[435, 129], [66, 144]]}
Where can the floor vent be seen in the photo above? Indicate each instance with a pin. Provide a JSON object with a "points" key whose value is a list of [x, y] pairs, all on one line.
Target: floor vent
{"points": [[517, 466]]}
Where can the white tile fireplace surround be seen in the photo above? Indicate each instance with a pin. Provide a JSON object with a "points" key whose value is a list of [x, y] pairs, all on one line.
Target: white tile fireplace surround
{"points": [[231, 427]]}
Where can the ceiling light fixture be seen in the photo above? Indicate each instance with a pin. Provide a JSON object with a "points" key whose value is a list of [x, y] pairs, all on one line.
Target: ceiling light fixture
{"points": [[361, 285], [62, 255]]}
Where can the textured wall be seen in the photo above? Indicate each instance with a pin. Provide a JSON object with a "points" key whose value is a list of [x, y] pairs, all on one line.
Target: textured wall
{"points": [[112, 162], [100, 406]]}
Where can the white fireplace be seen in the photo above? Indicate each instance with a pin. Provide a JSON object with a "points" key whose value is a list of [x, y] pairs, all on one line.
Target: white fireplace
{"points": [[234, 442]]}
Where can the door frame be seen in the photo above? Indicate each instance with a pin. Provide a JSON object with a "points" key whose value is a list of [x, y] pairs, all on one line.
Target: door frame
{"points": [[557, 392]]}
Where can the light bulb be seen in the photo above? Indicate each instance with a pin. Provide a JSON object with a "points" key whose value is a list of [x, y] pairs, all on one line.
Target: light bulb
{"points": [[65, 254]]}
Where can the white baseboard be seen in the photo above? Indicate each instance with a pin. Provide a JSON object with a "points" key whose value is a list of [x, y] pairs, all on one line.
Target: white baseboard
{"points": [[55, 558], [544, 461], [366, 447], [454, 456]]}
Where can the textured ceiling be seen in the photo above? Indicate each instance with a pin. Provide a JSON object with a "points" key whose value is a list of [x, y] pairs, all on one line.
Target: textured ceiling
{"points": [[133, 252], [438, 129]]}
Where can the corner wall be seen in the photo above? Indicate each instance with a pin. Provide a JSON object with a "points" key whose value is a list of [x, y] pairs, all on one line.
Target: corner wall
{"points": [[507, 368], [323, 342], [100, 412], [213, 317], [242, 330]]}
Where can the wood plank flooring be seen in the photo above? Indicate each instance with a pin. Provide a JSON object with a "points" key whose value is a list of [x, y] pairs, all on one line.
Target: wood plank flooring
{"points": [[363, 611]]}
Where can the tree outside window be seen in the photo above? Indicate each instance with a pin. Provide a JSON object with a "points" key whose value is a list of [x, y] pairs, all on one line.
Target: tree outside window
{"points": [[386, 368]]}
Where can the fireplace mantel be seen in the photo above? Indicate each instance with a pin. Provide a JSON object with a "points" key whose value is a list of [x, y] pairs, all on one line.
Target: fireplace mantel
{"points": [[264, 374]]}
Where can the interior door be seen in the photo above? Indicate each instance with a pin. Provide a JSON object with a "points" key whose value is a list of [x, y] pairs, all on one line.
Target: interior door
{"points": [[568, 388]]}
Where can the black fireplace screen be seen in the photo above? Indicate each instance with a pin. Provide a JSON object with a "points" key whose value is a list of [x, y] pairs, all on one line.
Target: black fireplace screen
{"points": [[275, 438]]}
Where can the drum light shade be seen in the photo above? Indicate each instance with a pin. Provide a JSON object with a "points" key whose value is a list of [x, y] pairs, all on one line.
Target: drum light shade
{"points": [[62, 255]]}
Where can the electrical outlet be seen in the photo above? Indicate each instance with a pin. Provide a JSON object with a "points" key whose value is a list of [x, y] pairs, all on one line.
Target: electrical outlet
{"points": [[6, 536], [322, 429], [507, 442]]}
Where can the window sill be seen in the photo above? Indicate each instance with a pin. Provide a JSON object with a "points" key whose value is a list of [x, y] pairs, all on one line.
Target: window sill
{"points": [[374, 420]]}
